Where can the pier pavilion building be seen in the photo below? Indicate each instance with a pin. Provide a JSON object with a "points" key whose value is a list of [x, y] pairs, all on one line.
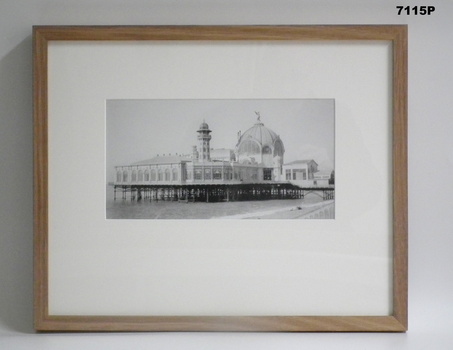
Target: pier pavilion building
{"points": [[254, 168]]}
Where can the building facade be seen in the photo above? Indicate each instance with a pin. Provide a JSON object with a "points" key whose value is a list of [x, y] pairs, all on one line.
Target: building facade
{"points": [[258, 157]]}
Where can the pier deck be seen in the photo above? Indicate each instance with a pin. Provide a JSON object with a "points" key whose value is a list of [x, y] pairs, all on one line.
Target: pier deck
{"points": [[217, 192]]}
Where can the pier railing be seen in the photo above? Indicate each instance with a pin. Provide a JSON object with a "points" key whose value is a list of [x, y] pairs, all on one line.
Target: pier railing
{"points": [[324, 210]]}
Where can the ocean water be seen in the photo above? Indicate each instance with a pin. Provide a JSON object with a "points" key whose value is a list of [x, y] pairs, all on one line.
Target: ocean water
{"points": [[146, 209]]}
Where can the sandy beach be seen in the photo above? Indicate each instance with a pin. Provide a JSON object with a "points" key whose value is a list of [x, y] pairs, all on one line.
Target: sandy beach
{"points": [[291, 212]]}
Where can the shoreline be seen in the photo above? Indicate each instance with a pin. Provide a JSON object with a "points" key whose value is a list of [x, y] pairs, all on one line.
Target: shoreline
{"points": [[293, 212]]}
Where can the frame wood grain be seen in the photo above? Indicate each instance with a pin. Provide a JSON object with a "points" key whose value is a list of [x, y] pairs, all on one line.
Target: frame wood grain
{"points": [[397, 322]]}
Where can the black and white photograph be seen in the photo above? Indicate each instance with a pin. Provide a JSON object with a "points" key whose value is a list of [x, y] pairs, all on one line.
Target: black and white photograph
{"points": [[220, 159]]}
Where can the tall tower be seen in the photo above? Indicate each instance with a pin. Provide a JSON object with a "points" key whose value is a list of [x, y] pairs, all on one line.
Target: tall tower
{"points": [[203, 142]]}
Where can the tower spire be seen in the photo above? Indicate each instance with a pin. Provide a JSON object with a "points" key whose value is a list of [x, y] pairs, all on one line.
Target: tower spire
{"points": [[203, 142]]}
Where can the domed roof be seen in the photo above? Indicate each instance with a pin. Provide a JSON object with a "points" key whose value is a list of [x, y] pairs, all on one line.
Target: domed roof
{"points": [[204, 126], [259, 133], [260, 144]]}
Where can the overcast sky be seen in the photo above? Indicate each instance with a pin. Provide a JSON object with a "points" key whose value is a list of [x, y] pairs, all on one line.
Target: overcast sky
{"points": [[140, 129]]}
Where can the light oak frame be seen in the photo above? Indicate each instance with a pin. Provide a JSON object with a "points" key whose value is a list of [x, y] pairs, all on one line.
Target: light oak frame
{"points": [[397, 322]]}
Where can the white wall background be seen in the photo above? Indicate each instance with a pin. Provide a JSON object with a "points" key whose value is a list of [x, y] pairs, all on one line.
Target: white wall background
{"points": [[430, 164]]}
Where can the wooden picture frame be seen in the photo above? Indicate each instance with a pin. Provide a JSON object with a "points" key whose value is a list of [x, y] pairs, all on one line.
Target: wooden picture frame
{"points": [[396, 321]]}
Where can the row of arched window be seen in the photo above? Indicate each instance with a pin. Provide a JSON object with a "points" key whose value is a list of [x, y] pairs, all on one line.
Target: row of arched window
{"points": [[210, 174], [147, 175], [252, 147], [172, 174]]}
